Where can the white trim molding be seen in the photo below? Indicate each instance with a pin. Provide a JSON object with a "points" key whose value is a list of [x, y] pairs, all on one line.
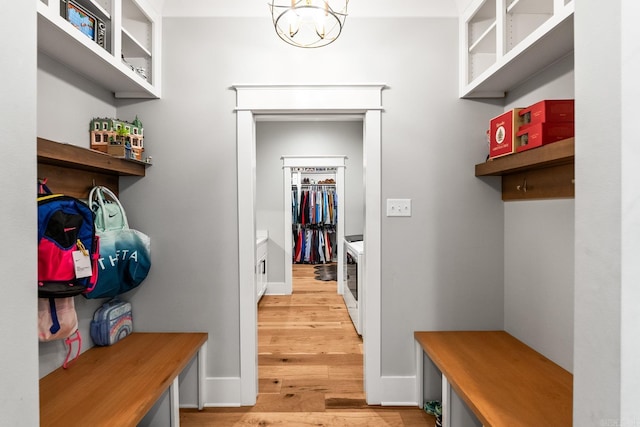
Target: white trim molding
{"points": [[276, 288], [281, 102], [338, 99], [399, 391], [222, 392]]}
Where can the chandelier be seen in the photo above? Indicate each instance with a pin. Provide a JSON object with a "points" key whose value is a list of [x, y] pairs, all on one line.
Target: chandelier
{"points": [[309, 23]]}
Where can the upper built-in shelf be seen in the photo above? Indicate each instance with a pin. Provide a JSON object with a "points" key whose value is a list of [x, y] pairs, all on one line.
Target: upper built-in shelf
{"points": [[129, 62], [540, 173], [506, 41]]}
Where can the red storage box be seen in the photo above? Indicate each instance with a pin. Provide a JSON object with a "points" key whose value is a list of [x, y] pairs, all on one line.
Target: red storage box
{"points": [[536, 135], [502, 133], [553, 110]]}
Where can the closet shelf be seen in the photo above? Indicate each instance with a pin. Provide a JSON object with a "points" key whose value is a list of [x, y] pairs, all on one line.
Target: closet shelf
{"points": [[485, 43], [72, 156], [557, 153]]}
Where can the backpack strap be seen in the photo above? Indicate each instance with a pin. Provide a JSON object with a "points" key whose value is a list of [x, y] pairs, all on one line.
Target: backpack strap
{"points": [[75, 337], [94, 264], [55, 325], [98, 193], [42, 187]]}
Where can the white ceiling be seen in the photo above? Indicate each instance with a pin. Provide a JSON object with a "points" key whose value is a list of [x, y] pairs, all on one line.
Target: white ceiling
{"points": [[357, 8]]}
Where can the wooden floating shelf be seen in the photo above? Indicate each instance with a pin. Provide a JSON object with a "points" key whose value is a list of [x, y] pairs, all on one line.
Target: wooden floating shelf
{"points": [[546, 172], [74, 170], [72, 156], [557, 153]]}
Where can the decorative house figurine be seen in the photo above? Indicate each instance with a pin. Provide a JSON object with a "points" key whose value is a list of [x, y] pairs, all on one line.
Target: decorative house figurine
{"points": [[117, 138]]}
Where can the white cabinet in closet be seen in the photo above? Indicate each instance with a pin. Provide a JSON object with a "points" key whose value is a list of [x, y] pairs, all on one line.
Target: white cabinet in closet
{"points": [[261, 266], [127, 63], [503, 42]]}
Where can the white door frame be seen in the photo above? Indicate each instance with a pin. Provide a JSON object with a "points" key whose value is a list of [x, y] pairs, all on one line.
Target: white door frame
{"points": [[288, 163], [284, 101]]}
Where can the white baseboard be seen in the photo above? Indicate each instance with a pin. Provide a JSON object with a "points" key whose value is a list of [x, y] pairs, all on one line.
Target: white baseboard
{"points": [[276, 288], [222, 392], [225, 392], [398, 391]]}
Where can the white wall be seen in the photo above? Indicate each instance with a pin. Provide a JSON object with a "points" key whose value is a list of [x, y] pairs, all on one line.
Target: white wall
{"points": [[441, 268], [607, 317], [630, 249], [18, 330], [539, 241], [275, 139], [538, 295], [67, 102]]}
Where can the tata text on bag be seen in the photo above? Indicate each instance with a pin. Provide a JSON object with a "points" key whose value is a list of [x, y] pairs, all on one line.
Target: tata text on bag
{"points": [[125, 256]]}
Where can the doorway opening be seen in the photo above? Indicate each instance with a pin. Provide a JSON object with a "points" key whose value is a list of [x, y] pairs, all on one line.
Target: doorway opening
{"points": [[297, 169], [280, 102]]}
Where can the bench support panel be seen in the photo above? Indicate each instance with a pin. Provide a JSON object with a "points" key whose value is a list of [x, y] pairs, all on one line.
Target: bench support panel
{"points": [[446, 402], [174, 397]]}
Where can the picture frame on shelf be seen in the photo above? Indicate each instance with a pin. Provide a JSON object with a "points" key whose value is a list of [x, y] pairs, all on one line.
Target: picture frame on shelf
{"points": [[86, 22]]}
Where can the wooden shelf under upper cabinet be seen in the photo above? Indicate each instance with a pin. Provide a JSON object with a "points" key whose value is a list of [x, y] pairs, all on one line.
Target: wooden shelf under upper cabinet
{"points": [[560, 152], [540, 173], [72, 156], [74, 170]]}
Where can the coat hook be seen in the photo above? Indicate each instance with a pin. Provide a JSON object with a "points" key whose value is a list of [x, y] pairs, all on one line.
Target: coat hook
{"points": [[522, 187]]}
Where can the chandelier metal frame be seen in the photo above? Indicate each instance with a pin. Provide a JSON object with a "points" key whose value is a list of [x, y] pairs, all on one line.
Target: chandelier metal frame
{"points": [[308, 23]]}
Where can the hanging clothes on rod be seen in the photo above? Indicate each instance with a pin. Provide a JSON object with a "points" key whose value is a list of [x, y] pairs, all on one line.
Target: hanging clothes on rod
{"points": [[313, 244], [314, 219], [314, 205]]}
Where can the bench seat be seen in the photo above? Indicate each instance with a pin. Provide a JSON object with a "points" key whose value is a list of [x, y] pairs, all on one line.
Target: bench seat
{"points": [[119, 384], [502, 380]]}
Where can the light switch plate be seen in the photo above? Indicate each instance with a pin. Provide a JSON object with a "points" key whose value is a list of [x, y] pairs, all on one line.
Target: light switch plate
{"points": [[398, 207]]}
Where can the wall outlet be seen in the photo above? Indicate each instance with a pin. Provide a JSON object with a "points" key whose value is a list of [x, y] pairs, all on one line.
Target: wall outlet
{"points": [[398, 207]]}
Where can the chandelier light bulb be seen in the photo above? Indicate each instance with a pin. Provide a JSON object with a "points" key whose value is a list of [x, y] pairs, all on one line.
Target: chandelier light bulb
{"points": [[293, 22], [320, 18], [308, 23]]}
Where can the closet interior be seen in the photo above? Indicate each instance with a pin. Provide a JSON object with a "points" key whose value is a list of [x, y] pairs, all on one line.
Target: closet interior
{"points": [[314, 214]]}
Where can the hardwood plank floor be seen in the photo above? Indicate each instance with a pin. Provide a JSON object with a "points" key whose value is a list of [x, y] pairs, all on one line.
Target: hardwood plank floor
{"points": [[310, 367]]}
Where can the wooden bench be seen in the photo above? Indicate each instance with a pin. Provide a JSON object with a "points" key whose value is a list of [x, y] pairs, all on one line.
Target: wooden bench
{"points": [[502, 380], [119, 384]]}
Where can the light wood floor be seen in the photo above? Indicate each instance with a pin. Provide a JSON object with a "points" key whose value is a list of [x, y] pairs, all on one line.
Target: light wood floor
{"points": [[309, 367]]}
